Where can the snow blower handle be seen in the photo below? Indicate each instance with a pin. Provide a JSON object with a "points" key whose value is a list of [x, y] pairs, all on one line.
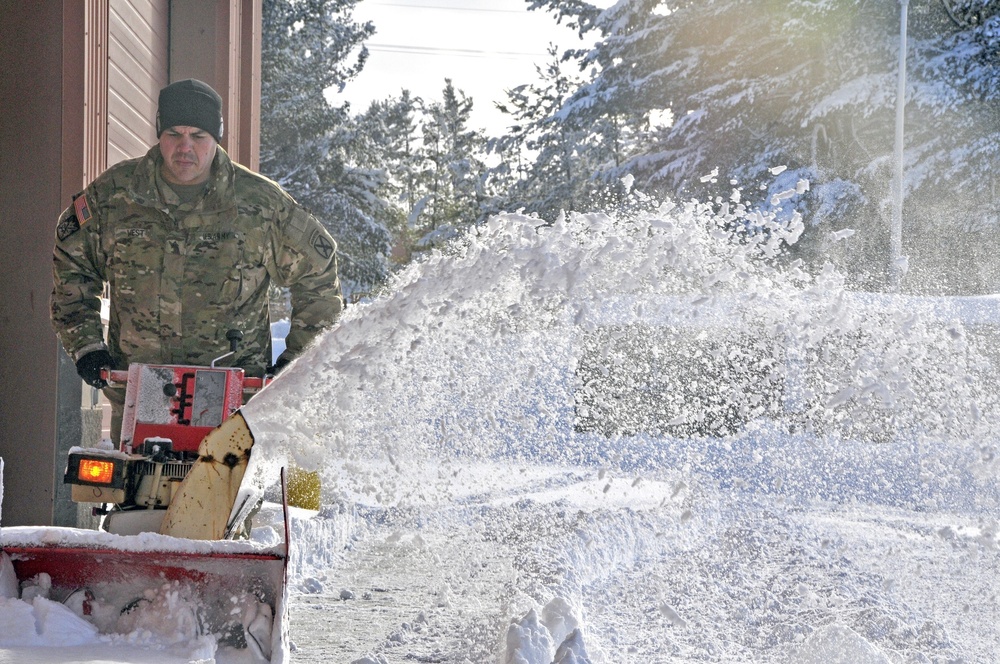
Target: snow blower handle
{"points": [[119, 377], [234, 337], [114, 377]]}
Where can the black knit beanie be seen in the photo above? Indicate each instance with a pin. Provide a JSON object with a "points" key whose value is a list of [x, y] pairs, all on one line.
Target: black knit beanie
{"points": [[190, 103]]}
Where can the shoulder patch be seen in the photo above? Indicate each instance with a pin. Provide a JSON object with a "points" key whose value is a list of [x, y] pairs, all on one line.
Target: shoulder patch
{"points": [[321, 244], [67, 227], [83, 214]]}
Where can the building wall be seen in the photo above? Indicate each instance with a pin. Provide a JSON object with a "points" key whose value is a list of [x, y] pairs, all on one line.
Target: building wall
{"points": [[138, 59], [32, 154], [66, 111]]}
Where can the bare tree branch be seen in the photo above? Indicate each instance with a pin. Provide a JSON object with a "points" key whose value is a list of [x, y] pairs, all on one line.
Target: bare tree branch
{"points": [[947, 4]]}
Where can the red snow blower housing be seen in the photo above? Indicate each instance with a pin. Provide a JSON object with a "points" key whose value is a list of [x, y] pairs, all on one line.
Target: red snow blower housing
{"points": [[183, 442], [169, 409]]}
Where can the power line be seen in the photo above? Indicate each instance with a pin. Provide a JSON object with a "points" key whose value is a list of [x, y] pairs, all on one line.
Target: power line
{"points": [[454, 9], [450, 52]]}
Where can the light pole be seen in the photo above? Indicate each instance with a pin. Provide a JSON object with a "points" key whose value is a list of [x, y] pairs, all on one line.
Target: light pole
{"points": [[896, 259]]}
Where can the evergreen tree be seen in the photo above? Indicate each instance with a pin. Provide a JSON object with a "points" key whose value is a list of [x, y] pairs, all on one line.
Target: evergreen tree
{"points": [[754, 87], [454, 174], [310, 46], [550, 162], [952, 215], [386, 140]]}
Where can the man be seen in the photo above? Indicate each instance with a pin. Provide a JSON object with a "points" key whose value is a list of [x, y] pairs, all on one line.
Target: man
{"points": [[187, 242]]}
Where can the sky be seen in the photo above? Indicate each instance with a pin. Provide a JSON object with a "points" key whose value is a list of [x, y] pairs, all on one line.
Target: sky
{"points": [[484, 46]]}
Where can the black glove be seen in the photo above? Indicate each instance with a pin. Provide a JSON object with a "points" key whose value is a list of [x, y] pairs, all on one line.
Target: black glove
{"points": [[280, 364], [89, 367]]}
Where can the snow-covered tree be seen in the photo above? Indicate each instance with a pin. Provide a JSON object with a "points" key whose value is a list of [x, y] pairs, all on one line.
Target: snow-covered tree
{"points": [[387, 140], [953, 145], [547, 163], [308, 47], [454, 174], [749, 88]]}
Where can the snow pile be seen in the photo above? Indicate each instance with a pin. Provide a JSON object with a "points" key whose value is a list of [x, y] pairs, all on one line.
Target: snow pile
{"points": [[836, 644], [162, 619], [532, 640], [262, 542], [42, 622], [530, 340], [679, 344]]}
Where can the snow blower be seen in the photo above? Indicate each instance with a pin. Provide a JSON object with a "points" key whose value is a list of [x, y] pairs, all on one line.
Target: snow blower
{"points": [[175, 513]]}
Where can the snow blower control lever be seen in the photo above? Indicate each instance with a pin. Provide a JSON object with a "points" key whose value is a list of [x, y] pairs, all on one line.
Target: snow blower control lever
{"points": [[234, 337]]}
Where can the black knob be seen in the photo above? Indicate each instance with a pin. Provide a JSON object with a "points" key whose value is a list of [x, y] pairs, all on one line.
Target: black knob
{"points": [[170, 389], [234, 337]]}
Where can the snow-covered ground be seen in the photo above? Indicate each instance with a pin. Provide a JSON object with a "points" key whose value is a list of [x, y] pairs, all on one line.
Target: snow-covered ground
{"points": [[666, 570], [633, 438]]}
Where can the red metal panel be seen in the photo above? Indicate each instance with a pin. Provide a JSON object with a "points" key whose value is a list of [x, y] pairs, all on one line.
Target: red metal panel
{"points": [[187, 415], [70, 567]]}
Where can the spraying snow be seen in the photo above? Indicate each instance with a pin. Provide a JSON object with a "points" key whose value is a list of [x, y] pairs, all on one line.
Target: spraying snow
{"points": [[661, 431], [641, 437], [518, 341]]}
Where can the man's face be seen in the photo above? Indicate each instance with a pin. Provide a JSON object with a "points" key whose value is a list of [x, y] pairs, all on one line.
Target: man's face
{"points": [[188, 153]]}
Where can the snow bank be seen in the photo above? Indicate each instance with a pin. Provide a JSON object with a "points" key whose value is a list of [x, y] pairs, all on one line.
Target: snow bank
{"points": [[676, 354], [527, 340]]}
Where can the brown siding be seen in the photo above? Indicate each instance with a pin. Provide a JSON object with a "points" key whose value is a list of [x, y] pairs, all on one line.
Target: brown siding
{"points": [[40, 52], [137, 69]]}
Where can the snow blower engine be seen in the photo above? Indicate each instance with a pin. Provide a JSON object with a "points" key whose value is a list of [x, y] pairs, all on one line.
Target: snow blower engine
{"points": [[169, 409]]}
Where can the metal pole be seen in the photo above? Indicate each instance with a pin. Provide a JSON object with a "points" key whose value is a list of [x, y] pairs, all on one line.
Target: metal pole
{"points": [[896, 231]]}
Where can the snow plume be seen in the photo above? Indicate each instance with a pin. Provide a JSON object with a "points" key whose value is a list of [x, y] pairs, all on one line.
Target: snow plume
{"points": [[525, 339]]}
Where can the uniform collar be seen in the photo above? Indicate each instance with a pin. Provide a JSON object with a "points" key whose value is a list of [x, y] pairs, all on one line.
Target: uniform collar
{"points": [[220, 195]]}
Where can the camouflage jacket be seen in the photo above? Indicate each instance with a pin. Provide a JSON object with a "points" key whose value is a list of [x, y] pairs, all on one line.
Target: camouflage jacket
{"points": [[180, 276]]}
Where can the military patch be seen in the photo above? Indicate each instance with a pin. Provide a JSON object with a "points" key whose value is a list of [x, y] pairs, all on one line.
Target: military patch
{"points": [[322, 245], [82, 209], [67, 227]]}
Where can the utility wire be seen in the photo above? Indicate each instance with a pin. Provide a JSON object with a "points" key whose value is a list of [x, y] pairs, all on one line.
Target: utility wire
{"points": [[450, 52], [455, 9]]}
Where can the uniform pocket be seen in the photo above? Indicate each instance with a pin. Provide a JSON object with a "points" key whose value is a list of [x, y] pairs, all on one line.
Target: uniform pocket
{"points": [[223, 268], [135, 274]]}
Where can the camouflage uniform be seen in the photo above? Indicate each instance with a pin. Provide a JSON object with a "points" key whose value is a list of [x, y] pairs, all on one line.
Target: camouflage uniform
{"points": [[182, 275]]}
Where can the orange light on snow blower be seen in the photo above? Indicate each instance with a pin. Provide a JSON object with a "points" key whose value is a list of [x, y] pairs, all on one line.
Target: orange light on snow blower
{"points": [[97, 471]]}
